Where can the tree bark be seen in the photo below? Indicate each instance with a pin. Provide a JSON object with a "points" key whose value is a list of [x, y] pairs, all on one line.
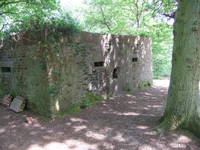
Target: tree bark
{"points": [[183, 102]]}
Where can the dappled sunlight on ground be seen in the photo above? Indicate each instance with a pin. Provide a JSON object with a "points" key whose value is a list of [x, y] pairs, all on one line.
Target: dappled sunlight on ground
{"points": [[161, 83], [124, 122], [66, 145]]}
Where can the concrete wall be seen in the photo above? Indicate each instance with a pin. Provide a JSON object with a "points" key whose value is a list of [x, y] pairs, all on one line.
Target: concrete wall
{"points": [[127, 62], [55, 75]]}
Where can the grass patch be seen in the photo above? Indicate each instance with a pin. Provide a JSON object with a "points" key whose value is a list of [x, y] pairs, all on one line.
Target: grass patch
{"points": [[144, 84], [74, 109], [88, 100]]}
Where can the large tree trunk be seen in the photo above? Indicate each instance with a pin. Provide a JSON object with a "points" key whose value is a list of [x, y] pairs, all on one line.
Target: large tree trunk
{"points": [[183, 102]]}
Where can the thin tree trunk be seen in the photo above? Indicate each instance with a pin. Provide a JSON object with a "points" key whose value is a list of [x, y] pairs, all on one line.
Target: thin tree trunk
{"points": [[183, 102], [104, 19]]}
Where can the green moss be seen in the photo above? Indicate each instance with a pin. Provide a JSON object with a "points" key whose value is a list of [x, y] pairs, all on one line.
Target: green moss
{"points": [[36, 90], [74, 109], [88, 100], [142, 84]]}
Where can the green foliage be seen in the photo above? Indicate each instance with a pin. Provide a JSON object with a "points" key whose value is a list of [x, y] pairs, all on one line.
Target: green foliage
{"points": [[52, 27], [136, 17], [34, 16], [74, 109], [14, 12], [139, 85], [162, 49], [128, 90], [144, 84], [90, 99], [43, 90], [37, 85]]}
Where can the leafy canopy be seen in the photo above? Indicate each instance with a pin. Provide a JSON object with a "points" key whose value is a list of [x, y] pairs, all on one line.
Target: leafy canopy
{"points": [[13, 11], [136, 17], [33, 15]]}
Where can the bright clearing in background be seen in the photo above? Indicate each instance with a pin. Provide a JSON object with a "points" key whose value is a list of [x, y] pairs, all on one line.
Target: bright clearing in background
{"points": [[74, 7], [71, 4]]}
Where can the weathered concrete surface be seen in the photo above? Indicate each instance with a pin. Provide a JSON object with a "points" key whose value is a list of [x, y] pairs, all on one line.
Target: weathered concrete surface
{"points": [[18, 104], [6, 76], [127, 62], [55, 75]]}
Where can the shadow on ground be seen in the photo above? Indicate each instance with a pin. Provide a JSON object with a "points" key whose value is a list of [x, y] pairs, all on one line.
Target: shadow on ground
{"points": [[120, 123]]}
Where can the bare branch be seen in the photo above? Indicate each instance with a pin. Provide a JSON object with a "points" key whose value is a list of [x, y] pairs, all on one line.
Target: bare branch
{"points": [[104, 19], [159, 5], [4, 25], [6, 12]]}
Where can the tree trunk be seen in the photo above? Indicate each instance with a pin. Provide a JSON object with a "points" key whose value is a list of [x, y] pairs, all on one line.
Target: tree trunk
{"points": [[183, 102]]}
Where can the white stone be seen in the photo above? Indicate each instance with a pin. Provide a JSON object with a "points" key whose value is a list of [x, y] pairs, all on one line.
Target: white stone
{"points": [[18, 104]]}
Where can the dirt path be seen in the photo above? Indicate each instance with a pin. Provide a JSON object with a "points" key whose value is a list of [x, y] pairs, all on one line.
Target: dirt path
{"points": [[121, 123]]}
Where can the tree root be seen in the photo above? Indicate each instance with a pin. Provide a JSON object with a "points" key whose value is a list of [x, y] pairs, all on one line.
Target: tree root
{"points": [[165, 126], [160, 130]]}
